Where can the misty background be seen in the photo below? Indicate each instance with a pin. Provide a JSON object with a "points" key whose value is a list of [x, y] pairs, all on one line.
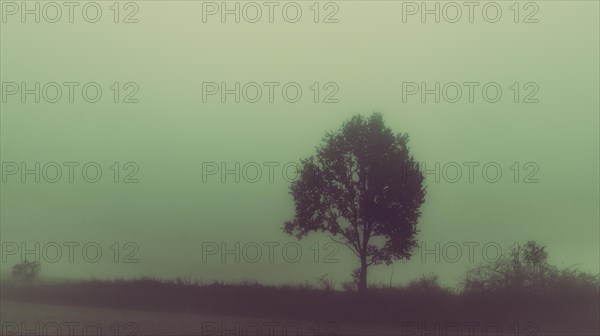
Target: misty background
{"points": [[171, 132]]}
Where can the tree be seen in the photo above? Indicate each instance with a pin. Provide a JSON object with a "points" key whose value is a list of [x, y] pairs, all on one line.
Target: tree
{"points": [[526, 269], [364, 190], [26, 271]]}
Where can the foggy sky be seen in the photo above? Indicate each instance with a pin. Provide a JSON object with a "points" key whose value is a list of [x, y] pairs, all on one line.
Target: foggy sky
{"points": [[171, 132]]}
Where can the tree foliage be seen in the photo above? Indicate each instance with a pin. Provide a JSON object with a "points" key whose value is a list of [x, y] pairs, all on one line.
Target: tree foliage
{"points": [[364, 190], [527, 271], [26, 272]]}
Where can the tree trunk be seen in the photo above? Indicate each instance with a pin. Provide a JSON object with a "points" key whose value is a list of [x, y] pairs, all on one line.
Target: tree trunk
{"points": [[362, 280]]}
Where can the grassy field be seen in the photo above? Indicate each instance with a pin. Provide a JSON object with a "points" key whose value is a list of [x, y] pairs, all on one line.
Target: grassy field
{"points": [[25, 318], [563, 302], [144, 323]]}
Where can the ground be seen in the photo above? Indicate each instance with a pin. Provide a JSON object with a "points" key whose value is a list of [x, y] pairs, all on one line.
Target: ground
{"points": [[20, 318]]}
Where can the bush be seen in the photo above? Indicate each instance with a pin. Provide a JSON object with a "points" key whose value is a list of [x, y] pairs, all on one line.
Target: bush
{"points": [[26, 272], [325, 283], [528, 271]]}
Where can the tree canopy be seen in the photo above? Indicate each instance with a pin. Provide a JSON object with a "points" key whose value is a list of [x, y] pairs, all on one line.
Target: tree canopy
{"points": [[362, 188]]}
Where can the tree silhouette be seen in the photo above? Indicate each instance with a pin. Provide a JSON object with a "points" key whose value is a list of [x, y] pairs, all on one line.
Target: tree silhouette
{"points": [[526, 269], [364, 190], [26, 271]]}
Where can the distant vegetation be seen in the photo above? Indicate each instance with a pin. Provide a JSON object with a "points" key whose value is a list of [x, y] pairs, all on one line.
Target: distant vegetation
{"points": [[521, 288], [26, 272]]}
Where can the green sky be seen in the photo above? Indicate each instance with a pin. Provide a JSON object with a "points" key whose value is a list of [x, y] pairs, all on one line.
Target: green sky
{"points": [[368, 54]]}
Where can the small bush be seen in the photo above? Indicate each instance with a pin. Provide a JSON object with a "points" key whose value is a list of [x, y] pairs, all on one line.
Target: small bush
{"points": [[26, 272]]}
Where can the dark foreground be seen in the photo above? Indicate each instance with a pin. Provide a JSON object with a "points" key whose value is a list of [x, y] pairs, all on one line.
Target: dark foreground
{"points": [[150, 307], [20, 318]]}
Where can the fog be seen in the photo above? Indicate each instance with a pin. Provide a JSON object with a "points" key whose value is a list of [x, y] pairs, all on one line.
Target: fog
{"points": [[195, 152]]}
